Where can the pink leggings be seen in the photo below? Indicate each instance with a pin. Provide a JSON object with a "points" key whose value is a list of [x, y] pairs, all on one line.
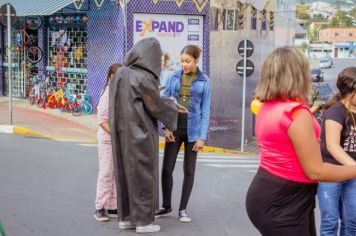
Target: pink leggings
{"points": [[106, 187]]}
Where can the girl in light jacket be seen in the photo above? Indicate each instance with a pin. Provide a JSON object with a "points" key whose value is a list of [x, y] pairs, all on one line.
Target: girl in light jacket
{"points": [[191, 88]]}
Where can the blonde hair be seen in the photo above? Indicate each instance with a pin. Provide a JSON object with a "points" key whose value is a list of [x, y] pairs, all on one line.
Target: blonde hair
{"points": [[285, 75]]}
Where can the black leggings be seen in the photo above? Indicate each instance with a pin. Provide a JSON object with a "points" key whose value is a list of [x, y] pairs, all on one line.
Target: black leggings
{"points": [[280, 207], [169, 160]]}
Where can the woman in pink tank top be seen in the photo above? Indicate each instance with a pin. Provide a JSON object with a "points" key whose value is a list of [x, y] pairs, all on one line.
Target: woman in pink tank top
{"points": [[281, 197]]}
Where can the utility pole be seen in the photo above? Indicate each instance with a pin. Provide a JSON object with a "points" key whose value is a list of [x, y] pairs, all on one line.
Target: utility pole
{"points": [[9, 59]]}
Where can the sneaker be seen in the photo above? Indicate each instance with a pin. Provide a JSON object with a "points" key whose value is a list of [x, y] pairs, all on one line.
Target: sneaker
{"points": [[151, 228], [163, 212], [112, 213], [183, 216], [126, 225], [100, 215]]}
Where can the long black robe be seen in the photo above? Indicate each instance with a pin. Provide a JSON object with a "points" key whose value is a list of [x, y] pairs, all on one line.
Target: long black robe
{"points": [[135, 107]]}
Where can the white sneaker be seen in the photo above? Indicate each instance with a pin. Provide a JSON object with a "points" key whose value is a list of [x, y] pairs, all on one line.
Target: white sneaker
{"points": [[183, 216], [126, 225], [151, 228]]}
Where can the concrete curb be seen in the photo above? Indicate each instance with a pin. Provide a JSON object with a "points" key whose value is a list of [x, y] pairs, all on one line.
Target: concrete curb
{"points": [[10, 129]]}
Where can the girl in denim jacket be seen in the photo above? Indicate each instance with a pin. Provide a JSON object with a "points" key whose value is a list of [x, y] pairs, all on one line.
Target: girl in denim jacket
{"points": [[191, 88]]}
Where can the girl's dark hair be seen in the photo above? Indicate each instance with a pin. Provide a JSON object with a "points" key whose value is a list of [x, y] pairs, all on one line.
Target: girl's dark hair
{"points": [[191, 50], [346, 83], [111, 71]]}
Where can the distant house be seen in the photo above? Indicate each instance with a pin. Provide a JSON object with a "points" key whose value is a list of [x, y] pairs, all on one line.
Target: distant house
{"points": [[343, 40], [322, 8], [301, 36], [319, 50]]}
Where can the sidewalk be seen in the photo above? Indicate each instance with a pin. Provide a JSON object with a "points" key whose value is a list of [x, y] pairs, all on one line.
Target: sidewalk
{"points": [[48, 123], [51, 123]]}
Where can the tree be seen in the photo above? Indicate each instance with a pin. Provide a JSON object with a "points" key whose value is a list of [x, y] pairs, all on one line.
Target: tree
{"points": [[334, 22], [353, 12], [341, 18], [319, 17], [303, 15]]}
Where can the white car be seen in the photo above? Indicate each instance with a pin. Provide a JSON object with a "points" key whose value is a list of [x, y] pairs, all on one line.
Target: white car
{"points": [[326, 62]]}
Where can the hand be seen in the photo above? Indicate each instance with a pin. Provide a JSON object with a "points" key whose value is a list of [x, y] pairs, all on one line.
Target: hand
{"points": [[173, 99], [199, 144], [181, 109], [168, 135]]}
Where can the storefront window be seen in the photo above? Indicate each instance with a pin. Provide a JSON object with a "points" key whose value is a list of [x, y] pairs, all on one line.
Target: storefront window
{"points": [[67, 50], [26, 55]]}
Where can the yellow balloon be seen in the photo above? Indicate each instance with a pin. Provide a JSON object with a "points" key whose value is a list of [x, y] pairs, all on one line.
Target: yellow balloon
{"points": [[255, 106]]}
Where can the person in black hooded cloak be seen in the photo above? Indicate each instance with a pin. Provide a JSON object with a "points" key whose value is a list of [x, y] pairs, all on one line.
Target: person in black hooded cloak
{"points": [[135, 107]]}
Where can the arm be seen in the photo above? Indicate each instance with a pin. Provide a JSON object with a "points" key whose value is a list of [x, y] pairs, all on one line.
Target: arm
{"points": [[205, 107], [164, 110], [103, 111], [314, 108], [167, 90], [302, 134], [333, 135]]}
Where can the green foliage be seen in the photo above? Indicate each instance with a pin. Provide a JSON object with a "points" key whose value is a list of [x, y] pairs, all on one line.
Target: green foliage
{"points": [[319, 17], [353, 12], [303, 15], [341, 18]]}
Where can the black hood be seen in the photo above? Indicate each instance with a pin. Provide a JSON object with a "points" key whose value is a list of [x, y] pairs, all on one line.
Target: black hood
{"points": [[146, 54]]}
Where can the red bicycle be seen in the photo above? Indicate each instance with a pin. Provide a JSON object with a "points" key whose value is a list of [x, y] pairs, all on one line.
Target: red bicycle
{"points": [[28, 41]]}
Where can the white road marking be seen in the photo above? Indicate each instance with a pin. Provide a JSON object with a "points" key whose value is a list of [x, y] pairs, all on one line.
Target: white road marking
{"points": [[223, 161], [231, 166], [88, 144]]}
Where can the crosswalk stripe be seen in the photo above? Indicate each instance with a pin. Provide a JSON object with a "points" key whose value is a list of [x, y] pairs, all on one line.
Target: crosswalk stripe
{"points": [[223, 161], [231, 166], [217, 155], [88, 144], [217, 160]]}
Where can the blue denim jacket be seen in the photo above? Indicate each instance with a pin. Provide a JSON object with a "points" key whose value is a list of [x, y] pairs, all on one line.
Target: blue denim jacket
{"points": [[199, 103]]}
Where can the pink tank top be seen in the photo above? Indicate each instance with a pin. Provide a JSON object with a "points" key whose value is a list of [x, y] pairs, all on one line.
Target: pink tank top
{"points": [[277, 154]]}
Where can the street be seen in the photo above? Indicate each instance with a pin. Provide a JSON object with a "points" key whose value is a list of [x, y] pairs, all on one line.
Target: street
{"points": [[48, 189], [330, 75]]}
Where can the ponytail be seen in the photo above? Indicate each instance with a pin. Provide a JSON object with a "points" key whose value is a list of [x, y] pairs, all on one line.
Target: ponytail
{"points": [[334, 99]]}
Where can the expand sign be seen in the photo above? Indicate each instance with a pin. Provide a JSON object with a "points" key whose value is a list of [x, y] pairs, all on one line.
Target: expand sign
{"points": [[160, 27], [173, 32]]}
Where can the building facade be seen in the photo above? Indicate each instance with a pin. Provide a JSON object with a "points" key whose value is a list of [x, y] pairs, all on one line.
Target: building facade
{"points": [[81, 40], [341, 39], [268, 24]]}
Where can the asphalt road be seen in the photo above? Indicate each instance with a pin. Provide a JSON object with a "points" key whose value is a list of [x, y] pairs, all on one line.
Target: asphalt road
{"points": [[330, 75], [47, 188]]}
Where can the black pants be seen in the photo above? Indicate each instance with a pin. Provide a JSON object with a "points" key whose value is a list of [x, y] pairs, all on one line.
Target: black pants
{"points": [[280, 207], [169, 160]]}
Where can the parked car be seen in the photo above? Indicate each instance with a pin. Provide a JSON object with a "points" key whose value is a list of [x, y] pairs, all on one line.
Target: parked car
{"points": [[326, 62], [317, 75], [321, 93], [325, 91]]}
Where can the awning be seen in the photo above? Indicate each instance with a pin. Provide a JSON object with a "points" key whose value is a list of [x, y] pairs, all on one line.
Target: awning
{"points": [[37, 7]]}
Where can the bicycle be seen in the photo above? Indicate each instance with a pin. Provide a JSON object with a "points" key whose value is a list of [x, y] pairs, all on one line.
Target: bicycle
{"points": [[35, 91], [56, 99], [72, 104], [25, 40], [87, 108], [40, 91], [33, 22]]}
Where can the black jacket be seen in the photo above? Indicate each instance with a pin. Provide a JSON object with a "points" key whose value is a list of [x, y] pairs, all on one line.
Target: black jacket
{"points": [[135, 106]]}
